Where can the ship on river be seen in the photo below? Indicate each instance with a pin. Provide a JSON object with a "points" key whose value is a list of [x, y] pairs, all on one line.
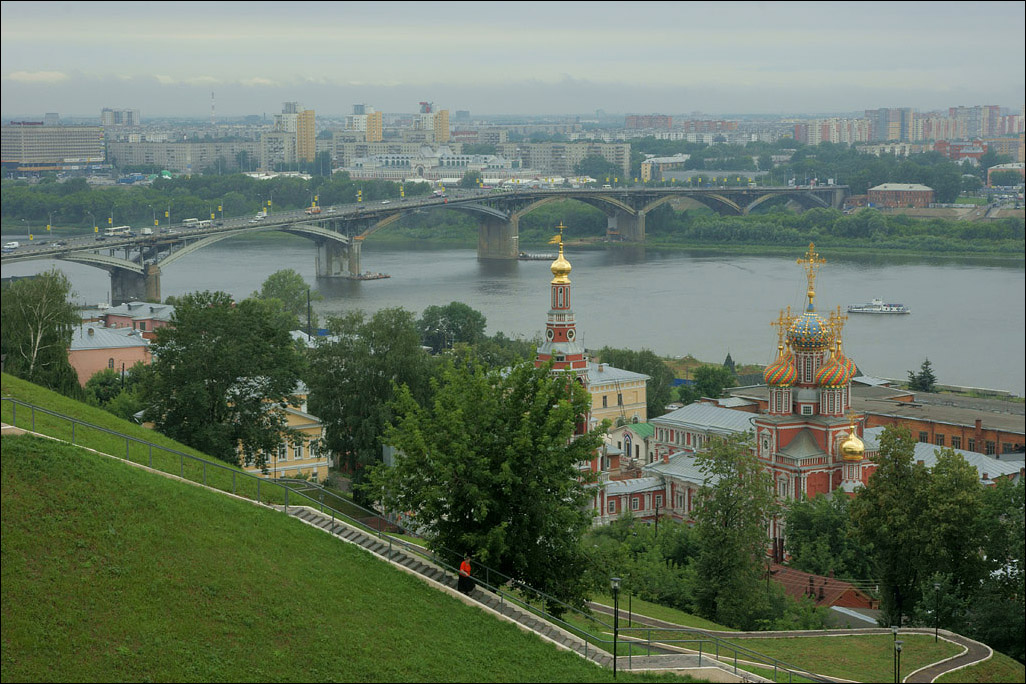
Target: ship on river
{"points": [[878, 306]]}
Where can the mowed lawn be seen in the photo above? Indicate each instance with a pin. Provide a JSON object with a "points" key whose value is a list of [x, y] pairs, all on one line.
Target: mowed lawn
{"points": [[110, 573]]}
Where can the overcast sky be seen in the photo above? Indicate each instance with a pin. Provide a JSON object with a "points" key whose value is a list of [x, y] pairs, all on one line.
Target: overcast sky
{"points": [[509, 57]]}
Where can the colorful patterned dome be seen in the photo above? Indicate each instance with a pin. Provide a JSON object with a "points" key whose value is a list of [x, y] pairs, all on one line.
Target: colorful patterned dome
{"points": [[781, 373], [833, 373], [809, 332], [848, 364]]}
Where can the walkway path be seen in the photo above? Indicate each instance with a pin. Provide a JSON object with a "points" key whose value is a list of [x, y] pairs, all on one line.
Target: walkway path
{"points": [[974, 652]]}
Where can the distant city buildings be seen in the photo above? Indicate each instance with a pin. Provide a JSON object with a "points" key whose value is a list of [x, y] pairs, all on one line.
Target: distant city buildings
{"points": [[375, 144]]}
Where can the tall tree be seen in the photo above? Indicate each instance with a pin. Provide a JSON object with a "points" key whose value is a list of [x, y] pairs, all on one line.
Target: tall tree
{"points": [[36, 321], [353, 377], [288, 288], [442, 327], [223, 374], [891, 514], [924, 380], [490, 467], [736, 502]]}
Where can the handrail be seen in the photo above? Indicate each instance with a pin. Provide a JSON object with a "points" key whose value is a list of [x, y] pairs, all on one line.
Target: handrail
{"points": [[502, 585]]}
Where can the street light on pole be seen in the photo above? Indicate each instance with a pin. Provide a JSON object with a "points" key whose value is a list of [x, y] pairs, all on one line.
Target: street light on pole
{"points": [[96, 229], [897, 666], [614, 582]]}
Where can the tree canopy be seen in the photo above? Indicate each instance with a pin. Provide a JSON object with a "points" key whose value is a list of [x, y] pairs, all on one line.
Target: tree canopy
{"points": [[288, 288], [709, 381], [353, 378], [924, 380], [223, 374], [442, 327], [36, 321], [736, 503], [489, 467]]}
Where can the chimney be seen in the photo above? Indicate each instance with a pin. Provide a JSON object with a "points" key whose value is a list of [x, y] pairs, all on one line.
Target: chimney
{"points": [[602, 367], [90, 332]]}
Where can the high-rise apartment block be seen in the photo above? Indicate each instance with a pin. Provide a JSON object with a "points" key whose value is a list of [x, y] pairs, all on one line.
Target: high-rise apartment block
{"points": [[119, 117], [890, 123]]}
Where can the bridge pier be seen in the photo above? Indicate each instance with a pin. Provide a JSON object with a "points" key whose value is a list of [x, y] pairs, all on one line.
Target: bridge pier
{"points": [[498, 239], [129, 286], [627, 227], [338, 260]]}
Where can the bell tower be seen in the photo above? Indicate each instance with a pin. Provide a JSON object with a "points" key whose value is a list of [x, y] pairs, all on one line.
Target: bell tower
{"points": [[561, 345]]}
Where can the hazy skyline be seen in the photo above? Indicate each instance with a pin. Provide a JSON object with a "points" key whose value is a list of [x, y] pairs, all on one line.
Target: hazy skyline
{"points": [[509, 58]]}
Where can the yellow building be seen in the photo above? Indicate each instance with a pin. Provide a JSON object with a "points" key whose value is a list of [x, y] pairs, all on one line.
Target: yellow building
{"points": [[375, 128], [305, 457], [617, 395], [306, 136], [441, 125]]}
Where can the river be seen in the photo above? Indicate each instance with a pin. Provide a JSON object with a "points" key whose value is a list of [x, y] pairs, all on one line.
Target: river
{"points": [[967, 316]]}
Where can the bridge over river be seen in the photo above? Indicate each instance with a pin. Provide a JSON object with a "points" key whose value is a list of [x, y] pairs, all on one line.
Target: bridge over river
{"points": [[135, 263]]}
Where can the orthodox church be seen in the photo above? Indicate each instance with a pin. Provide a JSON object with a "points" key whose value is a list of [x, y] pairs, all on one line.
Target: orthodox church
{"points": [[805, 433]]}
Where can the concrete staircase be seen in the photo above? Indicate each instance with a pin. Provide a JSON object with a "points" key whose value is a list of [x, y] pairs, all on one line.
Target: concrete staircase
{"points": [[495, 602]]}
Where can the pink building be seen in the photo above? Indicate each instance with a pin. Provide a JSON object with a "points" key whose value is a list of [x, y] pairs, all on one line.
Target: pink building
{"points": [[95, 348]]}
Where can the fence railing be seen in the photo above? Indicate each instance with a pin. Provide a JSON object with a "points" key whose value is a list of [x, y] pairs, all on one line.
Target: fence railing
{"points": [[292, 492]]}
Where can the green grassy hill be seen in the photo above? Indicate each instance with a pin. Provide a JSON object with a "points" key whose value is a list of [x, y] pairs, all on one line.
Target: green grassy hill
{"points": [[110, 573]]}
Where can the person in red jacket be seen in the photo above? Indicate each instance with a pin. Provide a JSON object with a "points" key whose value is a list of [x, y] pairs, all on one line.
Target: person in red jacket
{"points": [[465, 583]]}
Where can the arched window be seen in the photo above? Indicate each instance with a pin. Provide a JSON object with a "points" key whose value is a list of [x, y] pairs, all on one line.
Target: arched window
{"points": [[110, 363]]}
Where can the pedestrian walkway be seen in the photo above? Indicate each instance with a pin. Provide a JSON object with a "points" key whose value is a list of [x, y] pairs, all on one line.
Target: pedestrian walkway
{"points": [[974, 652]]}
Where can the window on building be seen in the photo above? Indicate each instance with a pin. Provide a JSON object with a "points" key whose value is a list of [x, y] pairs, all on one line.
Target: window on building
{"points": [[637, 451], [924, 437], [297, 451], [110, 363], [659, 500], [972, 444], [619, 399], [635, 503], [956, 442], [605, 401], [938, 440], [612, 505], [991, 448], [142, 326], [283, 451], [806, 410], [1006, 447]]}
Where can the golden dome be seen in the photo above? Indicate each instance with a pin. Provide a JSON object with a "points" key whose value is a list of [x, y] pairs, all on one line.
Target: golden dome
{"points": [[852, 449], [560, 267]]}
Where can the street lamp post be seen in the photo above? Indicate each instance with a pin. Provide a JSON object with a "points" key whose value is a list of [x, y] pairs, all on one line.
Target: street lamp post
{"points": [[936, 610], [96, 228], [614, 582], [897, 662]]}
